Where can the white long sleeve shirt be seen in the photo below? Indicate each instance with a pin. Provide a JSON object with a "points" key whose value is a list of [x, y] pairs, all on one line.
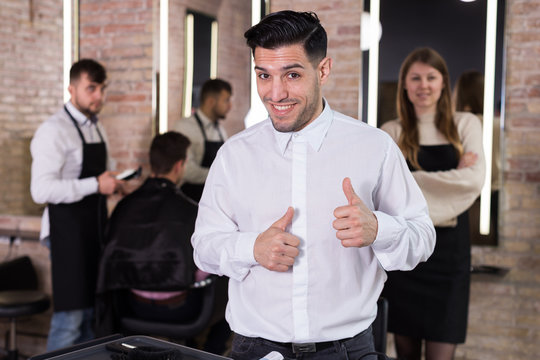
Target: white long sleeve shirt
{"points": [[56, 150], [331, 291], [194, 173]]}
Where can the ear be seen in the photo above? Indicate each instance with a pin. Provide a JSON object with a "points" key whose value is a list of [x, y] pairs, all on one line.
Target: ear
{"points": [[324, 69], [71, 89]]}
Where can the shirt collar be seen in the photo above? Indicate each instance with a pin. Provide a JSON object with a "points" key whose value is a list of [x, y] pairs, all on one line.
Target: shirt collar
{"points": [[77, 115], [314, 132], [204, 119]]}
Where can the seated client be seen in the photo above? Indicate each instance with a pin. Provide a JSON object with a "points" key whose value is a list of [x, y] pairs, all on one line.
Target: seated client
{"points": [[147, 261]]}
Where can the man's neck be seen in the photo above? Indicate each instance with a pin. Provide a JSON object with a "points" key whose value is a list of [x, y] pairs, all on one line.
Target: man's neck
{"points": [[171, 177], [208, 114]]}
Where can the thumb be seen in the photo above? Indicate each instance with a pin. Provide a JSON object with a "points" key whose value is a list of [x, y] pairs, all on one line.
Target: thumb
{"points": [[285, 220], [349, 192]]}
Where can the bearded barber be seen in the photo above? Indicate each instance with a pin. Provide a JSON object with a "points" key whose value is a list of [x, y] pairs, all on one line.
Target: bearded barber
{"points": [[205, 133], [69, 174]]}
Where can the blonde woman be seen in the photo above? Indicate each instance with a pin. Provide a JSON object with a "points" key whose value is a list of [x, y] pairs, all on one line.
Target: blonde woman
{"points": [[444, 151]]}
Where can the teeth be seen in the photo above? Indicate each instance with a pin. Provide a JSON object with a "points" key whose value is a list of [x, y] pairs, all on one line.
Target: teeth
{"points": [[282, 107]]}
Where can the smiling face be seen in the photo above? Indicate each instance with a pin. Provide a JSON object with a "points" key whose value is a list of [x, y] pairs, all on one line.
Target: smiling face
{"points": [[424, 85], [289, 85]]}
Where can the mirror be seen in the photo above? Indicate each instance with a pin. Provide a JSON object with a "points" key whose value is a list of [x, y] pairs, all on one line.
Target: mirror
{"points": [[201, 57], [455, 29]]}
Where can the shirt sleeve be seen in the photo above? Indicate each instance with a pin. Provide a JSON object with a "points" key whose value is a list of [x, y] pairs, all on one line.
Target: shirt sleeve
{"points": [[219, 247], [194, 173], [405, 234], [450, 193], [48, 158]]}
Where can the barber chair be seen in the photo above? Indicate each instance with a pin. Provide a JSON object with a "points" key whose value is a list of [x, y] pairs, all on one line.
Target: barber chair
{"points": [[176, 331], [19, 296]]}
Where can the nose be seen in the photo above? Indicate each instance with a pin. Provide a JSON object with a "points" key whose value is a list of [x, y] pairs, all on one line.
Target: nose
{"points": [[279, 90], [423, 82]]}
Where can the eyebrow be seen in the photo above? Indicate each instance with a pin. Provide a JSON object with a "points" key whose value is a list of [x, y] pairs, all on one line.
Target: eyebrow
{"points": [[286, 67]]}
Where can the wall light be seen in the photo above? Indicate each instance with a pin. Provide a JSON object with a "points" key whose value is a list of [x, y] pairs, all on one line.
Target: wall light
{"points": [[189, 65], [163, 66], [489, 89], [373, 72], [213, 50], [257, 112], [68, 12]]}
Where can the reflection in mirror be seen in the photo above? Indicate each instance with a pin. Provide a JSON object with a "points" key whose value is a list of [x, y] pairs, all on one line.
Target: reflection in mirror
{"points": [[201, 56], [455, 29]]}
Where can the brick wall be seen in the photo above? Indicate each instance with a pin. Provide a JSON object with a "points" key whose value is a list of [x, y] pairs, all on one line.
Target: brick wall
{"points": [[118, 33], [30, 90]]}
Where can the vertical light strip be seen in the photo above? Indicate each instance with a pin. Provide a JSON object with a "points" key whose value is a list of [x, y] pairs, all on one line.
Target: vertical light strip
{"points": [[163, 65], [188, 76], [67, 46], [489, 89], [213, 50], [255, 18], [373, 70], [76, 30], [155, 66], [257, 112]]}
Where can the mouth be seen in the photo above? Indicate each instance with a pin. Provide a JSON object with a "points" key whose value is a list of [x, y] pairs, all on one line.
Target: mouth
{"points": [[281, 109]]}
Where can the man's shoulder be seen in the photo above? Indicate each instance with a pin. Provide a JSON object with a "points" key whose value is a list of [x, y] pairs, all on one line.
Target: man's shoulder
{"points": [[185, 123], [252, 133], [54, 124], [356, 126]]}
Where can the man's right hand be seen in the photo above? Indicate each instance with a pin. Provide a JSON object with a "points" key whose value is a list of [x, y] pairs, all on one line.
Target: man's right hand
{"points": [[107, 183], [276, 249]]}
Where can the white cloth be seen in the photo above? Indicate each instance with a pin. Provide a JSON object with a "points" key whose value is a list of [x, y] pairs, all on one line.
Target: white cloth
{"points": [[332, 291], [56, 150], [194, 173], [448, 193]]}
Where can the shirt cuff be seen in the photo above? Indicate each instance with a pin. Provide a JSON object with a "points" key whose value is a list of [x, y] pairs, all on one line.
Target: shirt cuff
{"points": [[244, 248], [89, 186], [386, 234]]}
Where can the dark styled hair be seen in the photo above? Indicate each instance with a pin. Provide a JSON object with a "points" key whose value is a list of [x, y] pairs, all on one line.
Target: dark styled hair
{"points": [[96, 72], [166, 150], [289, 27], [213, 87], [470, 92], [444, 117]]}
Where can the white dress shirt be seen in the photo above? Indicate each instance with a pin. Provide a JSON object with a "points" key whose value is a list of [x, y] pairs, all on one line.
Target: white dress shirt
{"points": [[194, 173], [57, 153], [331, 291]]}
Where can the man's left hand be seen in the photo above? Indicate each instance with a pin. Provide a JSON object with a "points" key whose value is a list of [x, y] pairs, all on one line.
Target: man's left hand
{"points": [[355, 223]]}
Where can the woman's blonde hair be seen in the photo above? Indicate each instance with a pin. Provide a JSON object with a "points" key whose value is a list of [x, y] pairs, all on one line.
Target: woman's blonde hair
{"points": [[444, 118]]}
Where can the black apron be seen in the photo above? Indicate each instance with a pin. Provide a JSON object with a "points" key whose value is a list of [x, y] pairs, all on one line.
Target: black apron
{"points": [[76, 231], [194, 191]]}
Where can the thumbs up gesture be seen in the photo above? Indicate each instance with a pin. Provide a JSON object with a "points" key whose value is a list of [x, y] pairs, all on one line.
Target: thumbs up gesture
{"points": [[355, 223], [276, 249]]}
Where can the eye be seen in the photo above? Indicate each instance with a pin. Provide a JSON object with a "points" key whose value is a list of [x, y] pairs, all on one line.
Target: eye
{"points": [[91, 88], [263, 76], [293, 75]]}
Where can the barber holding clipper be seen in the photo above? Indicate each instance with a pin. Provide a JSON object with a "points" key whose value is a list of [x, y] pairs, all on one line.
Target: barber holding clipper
{"points": [[69, 174]]}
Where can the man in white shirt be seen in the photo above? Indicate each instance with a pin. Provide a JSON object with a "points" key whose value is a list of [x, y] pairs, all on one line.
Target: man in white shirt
{"points": [[69, 162], [206, 134], [305, 211]]}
